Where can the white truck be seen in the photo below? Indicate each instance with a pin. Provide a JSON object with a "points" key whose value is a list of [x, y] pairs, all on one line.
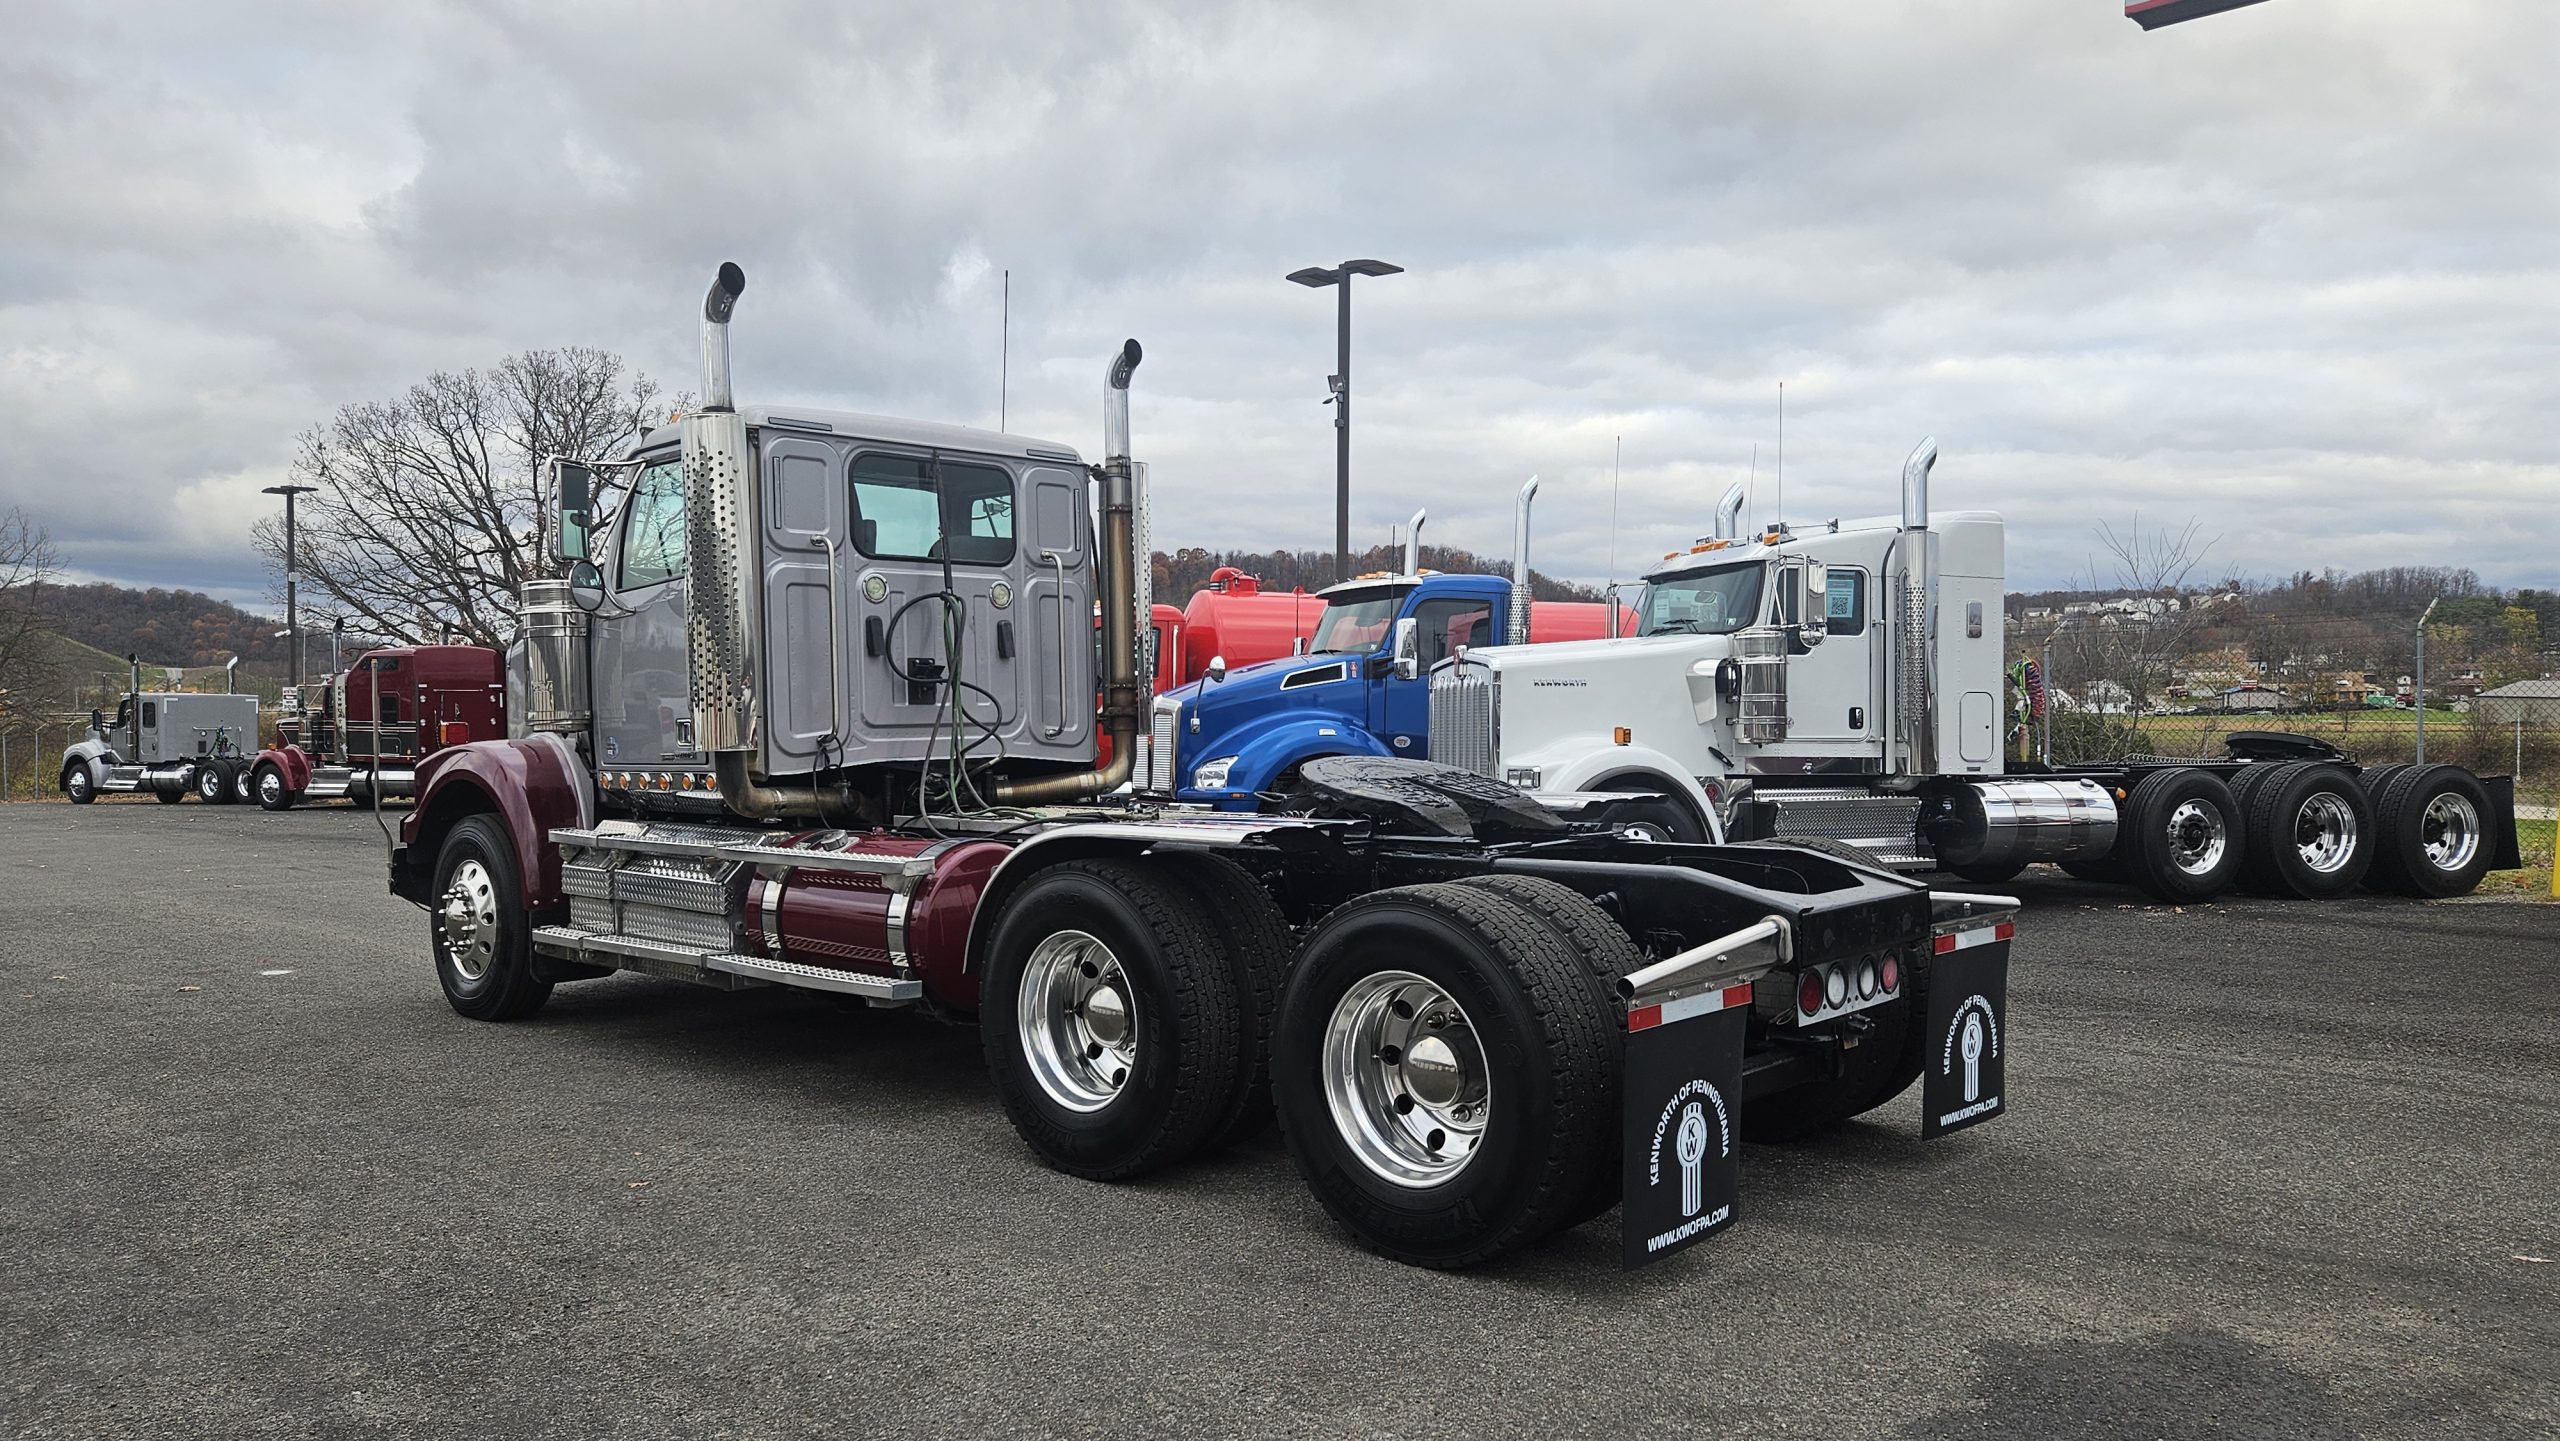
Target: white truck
{"points": [[1845, 684]]}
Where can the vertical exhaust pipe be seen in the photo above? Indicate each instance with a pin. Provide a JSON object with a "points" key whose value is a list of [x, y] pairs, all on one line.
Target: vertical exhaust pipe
{"points": [[724, 609], [1120, 570], [1729, 512], [1413, 543], [133, 709], [231, 676], [1517, 632], [1915, 618]]}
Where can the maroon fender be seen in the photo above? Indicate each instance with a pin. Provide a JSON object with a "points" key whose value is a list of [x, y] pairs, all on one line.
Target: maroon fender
{"points": [[533, 786], [292, 763]]}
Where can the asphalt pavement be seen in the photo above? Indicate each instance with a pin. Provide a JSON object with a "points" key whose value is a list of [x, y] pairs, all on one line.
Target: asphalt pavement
{"points": [[2272, 1169]]}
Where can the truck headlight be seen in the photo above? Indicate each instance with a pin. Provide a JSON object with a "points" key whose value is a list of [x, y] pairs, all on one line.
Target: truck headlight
{"points": [[1527, 778], [1211, 775]]}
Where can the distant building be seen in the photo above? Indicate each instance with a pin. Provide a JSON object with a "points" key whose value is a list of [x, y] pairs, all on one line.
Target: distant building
{"points": [[2252, 697], [2534, 702]]}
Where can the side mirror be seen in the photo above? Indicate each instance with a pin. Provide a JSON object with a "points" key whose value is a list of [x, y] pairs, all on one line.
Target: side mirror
{"points": [[1408, 648], [1217, 668], [575, 496], [586, 586], [1816, 608]]}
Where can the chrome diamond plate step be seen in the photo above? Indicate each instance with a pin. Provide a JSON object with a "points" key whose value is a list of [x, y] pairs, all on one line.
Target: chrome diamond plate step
{"points": [[818, 978]]}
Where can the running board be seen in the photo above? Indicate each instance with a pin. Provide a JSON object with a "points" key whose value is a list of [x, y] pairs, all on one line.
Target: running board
{"points": [[818, 978]]}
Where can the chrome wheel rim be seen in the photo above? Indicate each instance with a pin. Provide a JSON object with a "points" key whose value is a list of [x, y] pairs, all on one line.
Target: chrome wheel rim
{"points": [[2324, 832], [1405, 1078], [241, 785], [209, 784], [270, 787], [79, 785], [2450, 830], [467, 920], [1077, 1021], [1643, 831], [2197, 837]]}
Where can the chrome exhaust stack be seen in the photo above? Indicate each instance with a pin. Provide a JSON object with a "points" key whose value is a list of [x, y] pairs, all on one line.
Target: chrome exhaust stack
{"points": [[1120, 572], [1915, 619], [1729, 512], [1413, 543], [1517, 632], [724, 612], [231, 676]]}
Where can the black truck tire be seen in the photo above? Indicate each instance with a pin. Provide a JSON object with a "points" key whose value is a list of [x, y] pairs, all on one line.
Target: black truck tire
{"points": [[241, 772], [1443, 1074], [2187, 836], [268, 786], [213, 782], [1255, 937], [1608, 955], [477, 928], [2431, 827], [2310, 831], [78, 784], [2245, 784], [1110, 1019]]}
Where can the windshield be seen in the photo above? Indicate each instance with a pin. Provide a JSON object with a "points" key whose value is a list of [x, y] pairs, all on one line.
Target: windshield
{"points": [[1356, 627], [1715, 602]]}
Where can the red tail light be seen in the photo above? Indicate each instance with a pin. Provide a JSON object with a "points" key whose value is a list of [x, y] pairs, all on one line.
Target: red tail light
{"points": [[456, 732], [1809, 993], [1889, 971]]}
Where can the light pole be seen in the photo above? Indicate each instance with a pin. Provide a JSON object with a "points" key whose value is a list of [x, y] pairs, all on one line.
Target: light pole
{"points": [[2418, 681], [292, 611], [1339, 277]]}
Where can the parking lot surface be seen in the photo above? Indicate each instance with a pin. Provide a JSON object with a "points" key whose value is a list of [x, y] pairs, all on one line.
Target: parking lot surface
{"points": [[2274, 1169]]}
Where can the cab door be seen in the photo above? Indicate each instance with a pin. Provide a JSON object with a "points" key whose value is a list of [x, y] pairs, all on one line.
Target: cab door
{"points": [[1831, 688], [1400, 708]]}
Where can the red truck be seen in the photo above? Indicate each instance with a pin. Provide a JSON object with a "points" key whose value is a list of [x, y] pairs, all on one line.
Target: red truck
{"points": [[365, 729]]}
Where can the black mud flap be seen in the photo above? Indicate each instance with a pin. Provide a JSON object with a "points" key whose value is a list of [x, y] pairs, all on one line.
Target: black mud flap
{"points": [[1680, 1127], [1962, 1081]]}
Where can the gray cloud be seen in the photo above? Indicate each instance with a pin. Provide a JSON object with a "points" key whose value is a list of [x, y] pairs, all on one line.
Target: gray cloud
{"points": [[2288, 269]]}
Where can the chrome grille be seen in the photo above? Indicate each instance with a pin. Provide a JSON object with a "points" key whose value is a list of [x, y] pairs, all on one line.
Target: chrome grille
{"points": [[1462, 719], [1154, 770]]}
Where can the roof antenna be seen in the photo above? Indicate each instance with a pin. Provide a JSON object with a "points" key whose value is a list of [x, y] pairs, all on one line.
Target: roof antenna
{"points": [[1751, 487], [1778, 487], [1004, 355]]}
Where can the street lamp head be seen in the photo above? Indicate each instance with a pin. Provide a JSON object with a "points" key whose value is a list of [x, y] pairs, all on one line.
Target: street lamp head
{"points": [[289, 490], [1369, 267], [1315, 277]]}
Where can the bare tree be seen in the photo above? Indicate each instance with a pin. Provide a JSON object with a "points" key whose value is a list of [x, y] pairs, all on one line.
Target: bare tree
{"points": [[428, 514], [2153, 615], [27, 562]]}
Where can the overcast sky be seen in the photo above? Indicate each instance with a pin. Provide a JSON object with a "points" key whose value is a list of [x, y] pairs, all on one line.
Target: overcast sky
{"points": [[2293, 270]]}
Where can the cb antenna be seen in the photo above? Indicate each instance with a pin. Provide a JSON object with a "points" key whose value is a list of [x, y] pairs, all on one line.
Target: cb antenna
{"points": [[1004, 354], [1778, 487]]}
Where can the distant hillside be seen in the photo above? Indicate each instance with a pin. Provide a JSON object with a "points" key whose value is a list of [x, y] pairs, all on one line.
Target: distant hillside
{"points": [[164, 627]]}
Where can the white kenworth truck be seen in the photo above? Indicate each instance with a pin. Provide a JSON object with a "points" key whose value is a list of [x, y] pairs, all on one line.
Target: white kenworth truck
{"points": [[815, 708], [165, 744], [1844, 683]]}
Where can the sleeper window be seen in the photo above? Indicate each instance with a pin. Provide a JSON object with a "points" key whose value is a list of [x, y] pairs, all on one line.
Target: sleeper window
{"points": [[897, 516]]}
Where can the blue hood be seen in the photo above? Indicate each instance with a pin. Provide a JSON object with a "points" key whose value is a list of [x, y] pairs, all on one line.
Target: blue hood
{"points": [[1299, 683]]}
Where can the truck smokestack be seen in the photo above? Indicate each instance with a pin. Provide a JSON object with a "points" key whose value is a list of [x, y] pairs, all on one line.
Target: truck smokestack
{"points": [[231, 676], [1120, 570], [1729, 512], [1915, 484], [1517, 632], [726, 287], [724, 610], [1413, 543], [1915, 618]]}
